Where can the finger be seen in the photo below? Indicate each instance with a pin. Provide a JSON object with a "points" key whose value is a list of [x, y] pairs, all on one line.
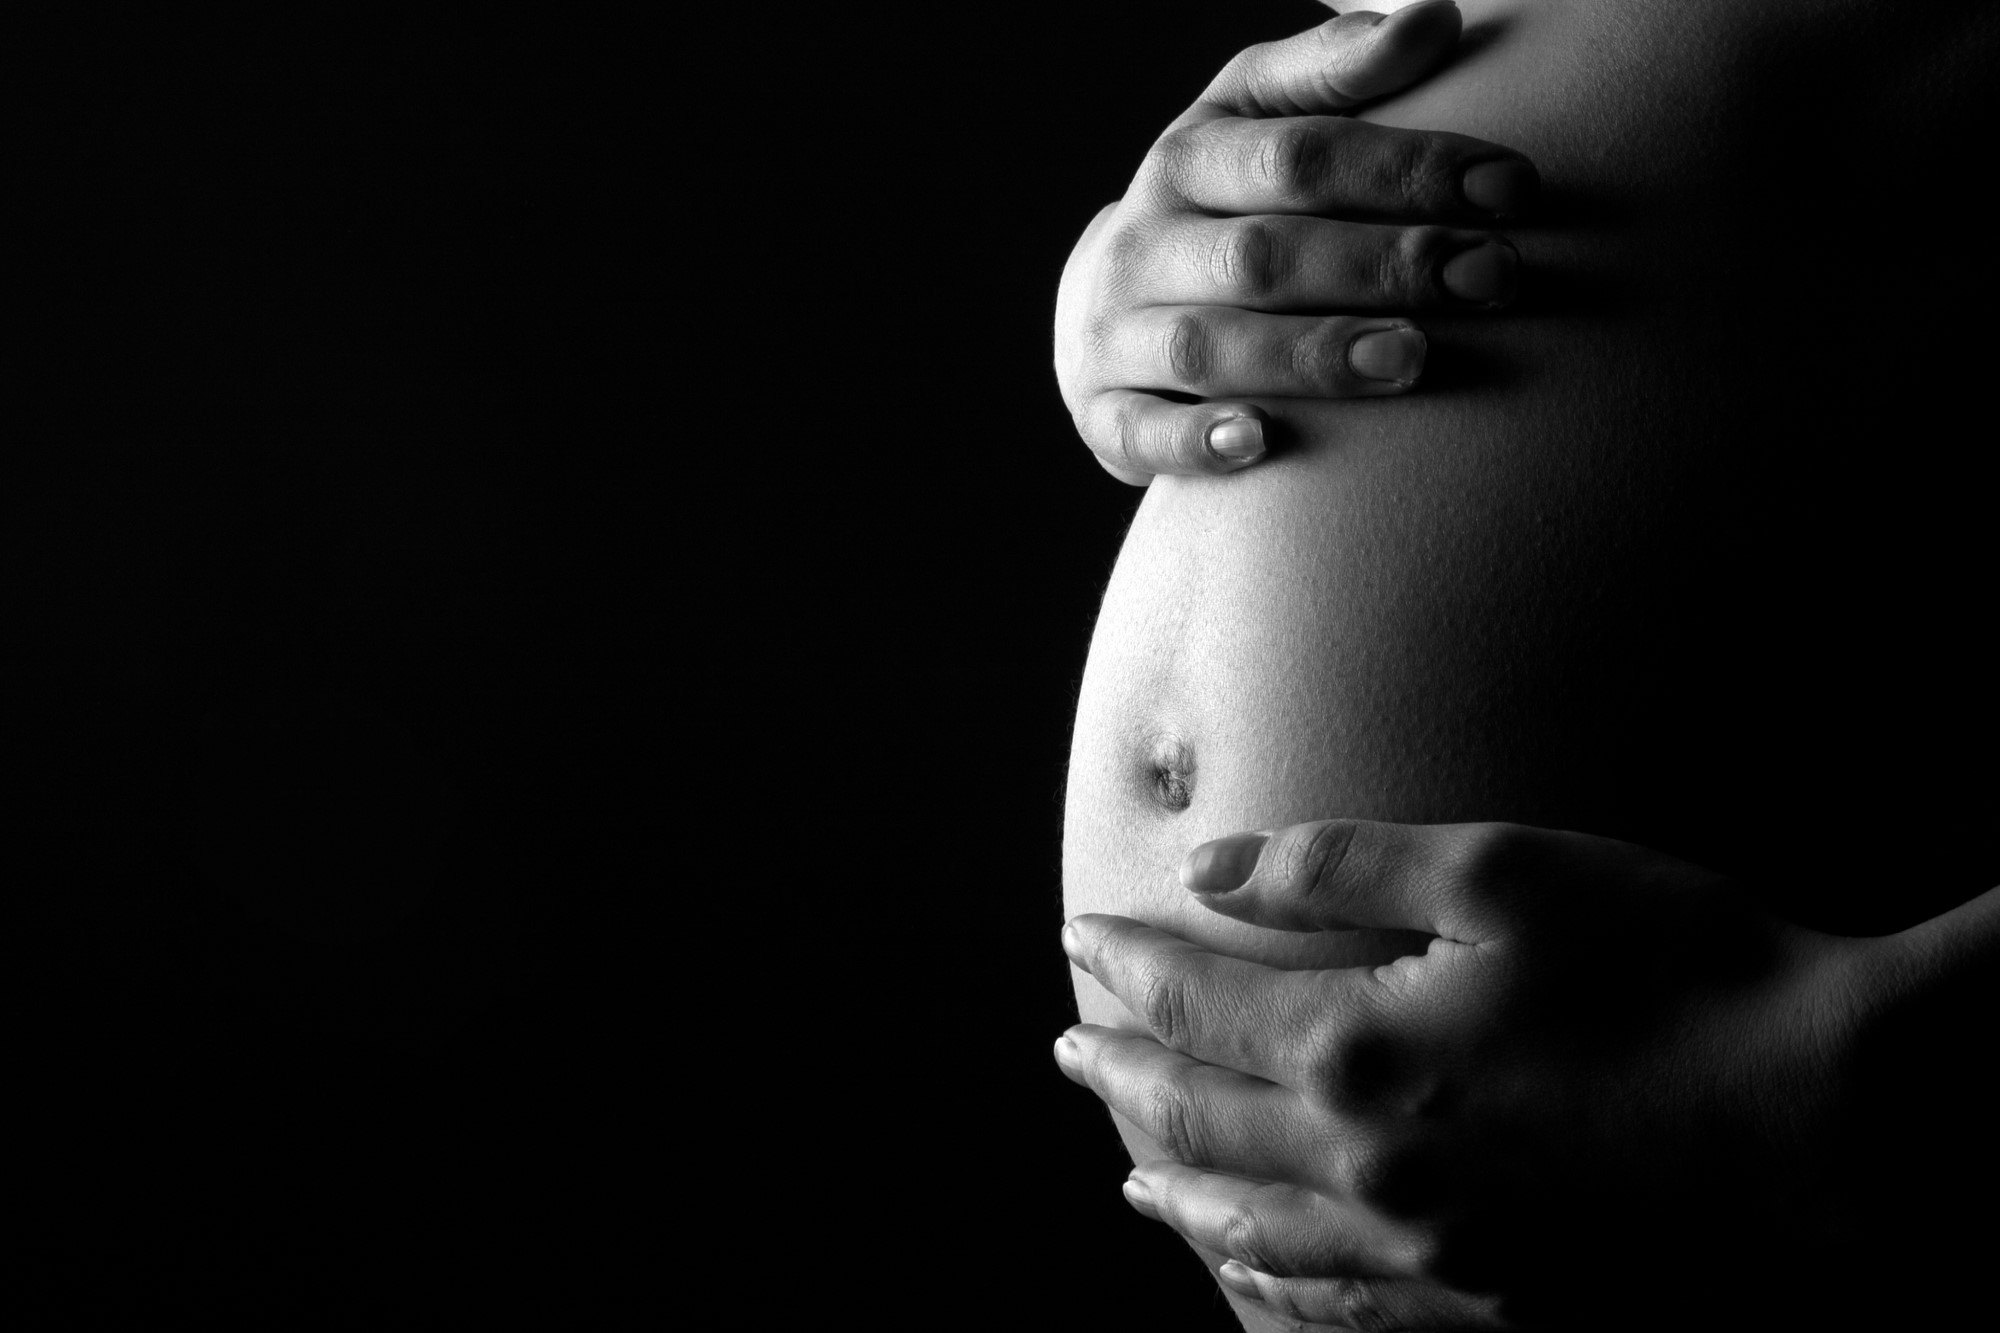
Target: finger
{"points": [[1217, 351], [1229, 352], [1279, 262], [1274, 1227], [1137, 436], [1461, 882], [1385, 1304], [1198, 1114], [1338, 165], [1342, 63], [1223, 1011]]}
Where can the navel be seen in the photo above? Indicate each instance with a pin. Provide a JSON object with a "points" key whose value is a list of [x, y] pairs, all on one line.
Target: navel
{"points": [[1169, 772]]}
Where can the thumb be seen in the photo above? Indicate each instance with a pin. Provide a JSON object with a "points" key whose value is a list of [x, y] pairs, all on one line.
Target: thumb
{"points": [[1347, 874], [1342, 63]]}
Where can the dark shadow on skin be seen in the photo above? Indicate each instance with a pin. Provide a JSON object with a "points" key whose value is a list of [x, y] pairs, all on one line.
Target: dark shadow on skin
{"points": [[1550, 290], [1455, 368], [1570, 208], [1547, 291]]}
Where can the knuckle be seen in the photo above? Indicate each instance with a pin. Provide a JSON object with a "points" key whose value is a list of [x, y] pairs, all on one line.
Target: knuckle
{"points": [[1084, 414], [1187, 449], [1492, 856], [1099, 335], [1242, 1235], [1118, 442], [1163, 1004], [1169, 160], [1170, 1119], [1320, 357], [1187, 352], [1410, 167], [1245, 1233], [1429, 170], [1291, 162], [1244, 258], [1359, 1304], [1411, 264], [1128, 250], [1317, 860], [1281, 1302]]}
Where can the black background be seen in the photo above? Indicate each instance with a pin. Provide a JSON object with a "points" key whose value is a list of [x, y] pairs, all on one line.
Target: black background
{"points": [[998, 141], [549, 575]]}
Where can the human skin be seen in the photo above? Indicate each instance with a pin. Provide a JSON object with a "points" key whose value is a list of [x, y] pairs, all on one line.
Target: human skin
{"points": [[1528, 594], [1258, 205], [1600, 1053]]}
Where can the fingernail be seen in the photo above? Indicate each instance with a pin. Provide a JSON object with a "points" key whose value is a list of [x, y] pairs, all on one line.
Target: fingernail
{"points": [[1501, 187], [1485, 275], [1141, 1198], [1239, 439], [1237, 1278], [1067, 1054], [1403, 15], [1401, 46], [1395, 356], [1222, 865], [1073, 944]]}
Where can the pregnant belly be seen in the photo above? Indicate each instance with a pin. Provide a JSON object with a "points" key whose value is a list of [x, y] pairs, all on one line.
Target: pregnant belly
{"points": [[1387, 621], [1584, 579], [1532, 605], [1264, 658]]}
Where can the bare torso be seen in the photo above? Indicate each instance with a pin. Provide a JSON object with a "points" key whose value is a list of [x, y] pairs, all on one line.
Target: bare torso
{"points": [[1687, 551]]}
